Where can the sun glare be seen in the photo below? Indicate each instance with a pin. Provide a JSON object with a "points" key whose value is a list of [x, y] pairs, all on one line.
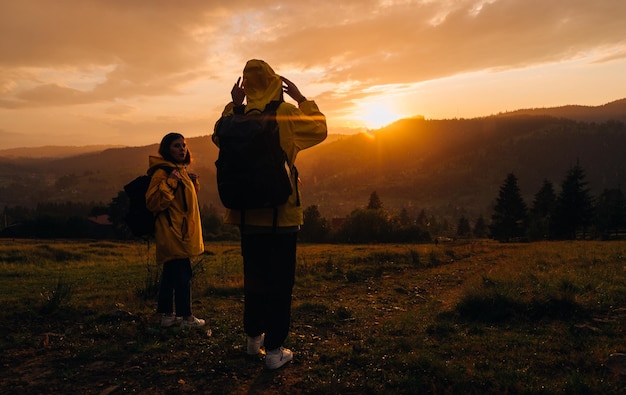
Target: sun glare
{"points": [[376, 115]]}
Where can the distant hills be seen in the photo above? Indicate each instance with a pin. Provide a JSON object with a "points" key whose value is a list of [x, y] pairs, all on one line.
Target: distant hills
{"points": [[446, 167], [615, 110], [53, 151]]}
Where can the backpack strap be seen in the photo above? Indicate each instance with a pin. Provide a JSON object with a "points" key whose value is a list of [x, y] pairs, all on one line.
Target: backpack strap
{"points": [[295, 183], [269, 107], [168, 170], [273, 105]]}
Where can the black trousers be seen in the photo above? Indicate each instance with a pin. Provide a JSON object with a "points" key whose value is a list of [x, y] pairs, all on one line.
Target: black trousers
{"points": [[269, 265], [175, 285]]}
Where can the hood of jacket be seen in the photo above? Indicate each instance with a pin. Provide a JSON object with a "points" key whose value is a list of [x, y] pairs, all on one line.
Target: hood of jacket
{"points": [[261, 85], [157, 161]]}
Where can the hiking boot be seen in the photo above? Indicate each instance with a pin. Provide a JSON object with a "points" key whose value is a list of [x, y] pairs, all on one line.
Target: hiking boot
{"points": [[276, 358], [196, 322], [169, 320], [255, 343]]}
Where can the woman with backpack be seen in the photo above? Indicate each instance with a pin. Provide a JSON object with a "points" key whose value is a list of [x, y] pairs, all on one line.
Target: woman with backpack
{"points": [[269, 235], [172, 196]]}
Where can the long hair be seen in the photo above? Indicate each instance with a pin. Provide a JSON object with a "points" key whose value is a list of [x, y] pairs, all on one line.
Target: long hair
{"points": [[164, 148]]}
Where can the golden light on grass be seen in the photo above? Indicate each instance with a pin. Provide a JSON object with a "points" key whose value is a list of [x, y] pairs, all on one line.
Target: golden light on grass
{"points": [[462, 313]]}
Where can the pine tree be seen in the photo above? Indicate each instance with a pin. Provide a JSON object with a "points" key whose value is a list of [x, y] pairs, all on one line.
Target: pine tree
{"points": [[574, 206], [509, 219], [542, 212], [422, 220], [375, 203]]}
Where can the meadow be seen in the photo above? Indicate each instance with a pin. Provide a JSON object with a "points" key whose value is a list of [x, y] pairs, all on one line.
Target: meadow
{"points": [[470, 317]]}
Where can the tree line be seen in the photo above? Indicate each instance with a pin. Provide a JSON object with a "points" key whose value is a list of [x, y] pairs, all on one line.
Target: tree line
{"points": [[571, 213]]}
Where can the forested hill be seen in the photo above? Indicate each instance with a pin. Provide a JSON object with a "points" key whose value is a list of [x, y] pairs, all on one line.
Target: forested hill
{"points": [[615, 110], [448, 165], [442, 166], [49, 151]]}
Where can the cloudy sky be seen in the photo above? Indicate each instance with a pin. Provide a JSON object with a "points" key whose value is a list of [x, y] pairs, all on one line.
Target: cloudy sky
{"points": [[82, 72]]}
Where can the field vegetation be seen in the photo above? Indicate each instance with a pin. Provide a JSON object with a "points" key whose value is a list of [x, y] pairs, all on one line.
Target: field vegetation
{"points": [[471, 317]]}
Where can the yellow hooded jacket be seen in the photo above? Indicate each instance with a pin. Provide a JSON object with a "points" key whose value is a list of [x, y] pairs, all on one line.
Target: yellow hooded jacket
{"points": [[168, 197], [299, 128]]}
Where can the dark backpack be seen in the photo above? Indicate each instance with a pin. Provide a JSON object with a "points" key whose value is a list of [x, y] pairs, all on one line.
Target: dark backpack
{"points": [[252, 168], [139, 219]]}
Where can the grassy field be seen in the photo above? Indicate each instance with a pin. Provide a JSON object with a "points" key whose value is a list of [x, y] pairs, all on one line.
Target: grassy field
{"points": [[463, 318]]}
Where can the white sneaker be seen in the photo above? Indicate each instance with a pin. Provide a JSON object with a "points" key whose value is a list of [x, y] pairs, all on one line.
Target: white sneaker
{"points": [[169, 320], [255, 343], [276, 358], [194, 323]]}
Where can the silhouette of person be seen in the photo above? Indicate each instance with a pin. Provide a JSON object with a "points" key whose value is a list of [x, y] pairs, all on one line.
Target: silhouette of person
{"points": [[269, 253]]}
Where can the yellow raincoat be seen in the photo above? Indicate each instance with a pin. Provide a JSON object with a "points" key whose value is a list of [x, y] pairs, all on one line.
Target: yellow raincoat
{"points": [[299, 128], [182, 238]]}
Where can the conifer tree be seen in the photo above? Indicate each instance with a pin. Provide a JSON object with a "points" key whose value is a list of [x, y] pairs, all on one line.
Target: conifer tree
{"points": [[542, 212], [375, 203], [574, 206], [509, 219], [422, 220]]}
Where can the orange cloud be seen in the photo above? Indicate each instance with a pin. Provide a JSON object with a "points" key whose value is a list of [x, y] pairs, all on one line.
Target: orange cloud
{"points": [[183, 57]]}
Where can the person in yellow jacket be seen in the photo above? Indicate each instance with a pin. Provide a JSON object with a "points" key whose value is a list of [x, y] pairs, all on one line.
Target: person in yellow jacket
{"points": [[172, 196], [269, 253]]}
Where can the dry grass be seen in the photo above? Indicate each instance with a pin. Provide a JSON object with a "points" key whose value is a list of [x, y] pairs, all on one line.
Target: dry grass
{"points": [[470, 318]]}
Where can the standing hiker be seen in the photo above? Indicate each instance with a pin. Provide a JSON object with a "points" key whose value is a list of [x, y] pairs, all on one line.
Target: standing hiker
{"points": [[269, 235], [172, 195]]}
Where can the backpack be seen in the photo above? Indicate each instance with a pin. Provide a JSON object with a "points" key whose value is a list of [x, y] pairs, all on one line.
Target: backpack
{"points": [[139, 219], [252, 168]]}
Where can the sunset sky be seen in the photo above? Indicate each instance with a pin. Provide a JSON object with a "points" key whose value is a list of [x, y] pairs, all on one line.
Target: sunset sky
{"points": [[82, 72]]}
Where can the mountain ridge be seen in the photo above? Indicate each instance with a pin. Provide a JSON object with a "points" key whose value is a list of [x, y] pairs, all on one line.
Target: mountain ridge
{"points": [[614, 110], [447, 167], [54, 151]]}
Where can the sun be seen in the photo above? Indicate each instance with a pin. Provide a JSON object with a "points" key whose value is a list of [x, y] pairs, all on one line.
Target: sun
{"points": [[376, 114]]}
